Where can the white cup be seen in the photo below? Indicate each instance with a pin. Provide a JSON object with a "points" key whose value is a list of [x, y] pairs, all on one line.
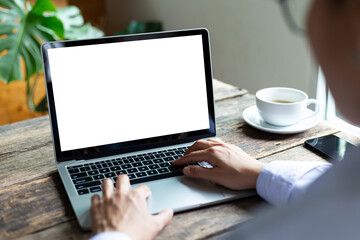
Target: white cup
{"points": [[281, 106]]}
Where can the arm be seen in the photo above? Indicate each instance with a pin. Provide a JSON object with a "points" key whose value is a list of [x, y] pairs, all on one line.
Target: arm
{"points": [[281, 182]]}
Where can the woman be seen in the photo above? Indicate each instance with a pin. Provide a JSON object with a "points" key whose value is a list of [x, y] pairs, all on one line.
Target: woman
{"points": [[330, 196]]}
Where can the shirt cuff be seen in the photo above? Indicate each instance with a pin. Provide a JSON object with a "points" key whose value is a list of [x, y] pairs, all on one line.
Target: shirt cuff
{"points": [[111, 236], [278, 180]]}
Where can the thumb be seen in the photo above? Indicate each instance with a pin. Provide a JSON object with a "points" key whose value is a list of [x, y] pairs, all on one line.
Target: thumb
{"points": [[164, 217], [199, 172]]}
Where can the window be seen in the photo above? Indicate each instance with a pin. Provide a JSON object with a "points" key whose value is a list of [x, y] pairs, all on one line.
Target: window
{"points": [[329, 111]]}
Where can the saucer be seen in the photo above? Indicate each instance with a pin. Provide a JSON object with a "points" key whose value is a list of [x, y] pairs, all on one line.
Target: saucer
{"points": [[252, 117]]}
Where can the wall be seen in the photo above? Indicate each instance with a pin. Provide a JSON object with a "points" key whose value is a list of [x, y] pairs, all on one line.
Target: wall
{"points": [[251, 45]]}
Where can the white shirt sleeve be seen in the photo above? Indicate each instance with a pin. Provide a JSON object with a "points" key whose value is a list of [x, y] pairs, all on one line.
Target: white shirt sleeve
{"points": [[111, 236], [280, 182]]}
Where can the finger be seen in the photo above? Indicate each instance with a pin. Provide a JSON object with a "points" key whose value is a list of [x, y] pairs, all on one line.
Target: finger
{"points": [[198, 156], [200, 172], [142, 191], [108, 188], [123, 184], [164, 218], [95, 211], [198, 145], [215, 140]]}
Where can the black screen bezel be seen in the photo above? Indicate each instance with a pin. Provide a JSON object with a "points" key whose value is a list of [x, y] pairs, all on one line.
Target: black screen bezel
{"points": [[135, 145]]}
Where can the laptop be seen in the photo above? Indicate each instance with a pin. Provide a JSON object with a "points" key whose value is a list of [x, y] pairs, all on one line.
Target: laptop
{"points": [[131, 105]]}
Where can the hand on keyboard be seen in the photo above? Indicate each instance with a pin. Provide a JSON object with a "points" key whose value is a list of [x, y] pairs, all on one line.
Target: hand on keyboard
{"points": [[125, 210], [225, 164]]}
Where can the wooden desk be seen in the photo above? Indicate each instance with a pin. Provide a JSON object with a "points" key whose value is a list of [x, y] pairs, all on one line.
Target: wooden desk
{"points": [[34, 205]]}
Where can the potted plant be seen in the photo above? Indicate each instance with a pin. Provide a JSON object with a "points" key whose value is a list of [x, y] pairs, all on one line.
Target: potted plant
{"points": [[23, 28]]}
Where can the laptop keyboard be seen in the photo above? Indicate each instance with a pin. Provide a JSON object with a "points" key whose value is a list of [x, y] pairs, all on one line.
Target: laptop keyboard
{"points": [[87, 178]]}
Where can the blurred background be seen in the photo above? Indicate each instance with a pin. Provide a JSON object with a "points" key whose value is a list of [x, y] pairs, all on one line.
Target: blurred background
{"points": [[251, 45]]}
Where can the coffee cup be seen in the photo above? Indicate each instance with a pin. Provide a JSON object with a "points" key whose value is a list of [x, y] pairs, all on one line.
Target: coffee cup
{"points": [[280, 106]]}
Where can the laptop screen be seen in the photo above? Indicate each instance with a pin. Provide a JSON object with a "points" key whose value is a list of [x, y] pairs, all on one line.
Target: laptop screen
{"points": [[127, 91]]}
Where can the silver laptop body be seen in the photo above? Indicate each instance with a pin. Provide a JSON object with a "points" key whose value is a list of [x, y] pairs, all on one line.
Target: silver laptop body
{"points": [[117, 103]]}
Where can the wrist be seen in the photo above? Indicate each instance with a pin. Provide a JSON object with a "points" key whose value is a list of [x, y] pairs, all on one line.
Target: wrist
{"points": [[254, 173]]}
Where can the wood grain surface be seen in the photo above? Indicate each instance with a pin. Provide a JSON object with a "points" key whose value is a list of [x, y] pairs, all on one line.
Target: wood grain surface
{"points": [[34, 204]]}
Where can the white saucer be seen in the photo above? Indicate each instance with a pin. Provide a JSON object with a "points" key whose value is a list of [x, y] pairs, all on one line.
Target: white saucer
{"points": [[252, 117]]}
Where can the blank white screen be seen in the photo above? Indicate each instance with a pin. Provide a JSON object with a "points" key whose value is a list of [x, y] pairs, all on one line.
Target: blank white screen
{"points": [[117, 92]]}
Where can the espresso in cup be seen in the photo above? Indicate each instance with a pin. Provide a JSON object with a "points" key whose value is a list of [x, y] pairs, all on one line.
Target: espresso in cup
{"points": [[282, 101], [284, 106]]}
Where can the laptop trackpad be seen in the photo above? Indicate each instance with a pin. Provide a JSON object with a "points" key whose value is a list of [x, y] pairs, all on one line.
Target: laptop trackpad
{"points": [[181, 193]]}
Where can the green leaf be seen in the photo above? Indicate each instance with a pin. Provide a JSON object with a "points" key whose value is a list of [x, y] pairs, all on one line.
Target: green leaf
{"points": [[41, 7], [22, 30], [84, 32], [74, 24], [42, 105], [70, 17]]}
